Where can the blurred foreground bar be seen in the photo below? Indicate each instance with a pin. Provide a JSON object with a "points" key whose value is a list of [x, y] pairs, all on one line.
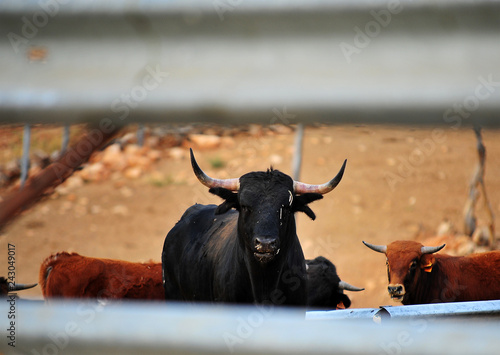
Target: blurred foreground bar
{"points": [[424, 62], [183, 328]]}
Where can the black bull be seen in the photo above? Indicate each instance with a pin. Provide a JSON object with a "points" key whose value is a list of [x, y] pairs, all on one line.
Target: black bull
{"points": [[248, 255]]}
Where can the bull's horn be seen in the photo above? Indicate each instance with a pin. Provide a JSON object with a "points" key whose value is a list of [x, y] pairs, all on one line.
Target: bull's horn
{"points": [[302, 188], [345, 286], [19, 287], [430, 250], [230, 184], [378, 248]]}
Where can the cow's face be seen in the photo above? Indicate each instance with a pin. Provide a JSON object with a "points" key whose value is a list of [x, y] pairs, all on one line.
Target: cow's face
{"points": [[325, 289], [407, 262], [266, 204]]}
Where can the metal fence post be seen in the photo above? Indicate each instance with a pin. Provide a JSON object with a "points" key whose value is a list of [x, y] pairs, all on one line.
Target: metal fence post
{"points": [[25, 160], [297, 158], [65, 139]]}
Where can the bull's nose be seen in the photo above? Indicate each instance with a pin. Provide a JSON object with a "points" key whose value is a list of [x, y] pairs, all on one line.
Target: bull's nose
{"points": [[266, 245], [395, 289]]}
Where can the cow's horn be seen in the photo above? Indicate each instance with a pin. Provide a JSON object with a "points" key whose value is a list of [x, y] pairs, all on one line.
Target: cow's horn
{"points": [[230, 184], [378, 248], [302, 188], [430, 250], [345, 286], [19, 287]]}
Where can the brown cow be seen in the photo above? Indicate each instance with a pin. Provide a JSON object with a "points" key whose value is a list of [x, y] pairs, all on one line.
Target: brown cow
{"points": [[417, 275], [76, 276]]}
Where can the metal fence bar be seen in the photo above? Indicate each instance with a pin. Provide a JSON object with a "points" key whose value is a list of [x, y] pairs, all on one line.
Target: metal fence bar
{"points": [[430, 62], [65, 139], [173, 328], [297, 156], [384, 313], [461, 309], [25, 159], [355, 313], [140, 135]]}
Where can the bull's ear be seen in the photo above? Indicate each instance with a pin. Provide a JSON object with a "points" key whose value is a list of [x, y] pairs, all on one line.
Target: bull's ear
{"points": [[300, 202], [231, 199], [426, 262]]}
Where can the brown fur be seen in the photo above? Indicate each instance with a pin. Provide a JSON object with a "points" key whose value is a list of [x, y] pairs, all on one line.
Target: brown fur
{"points": [[70, 275], [474, 277]]}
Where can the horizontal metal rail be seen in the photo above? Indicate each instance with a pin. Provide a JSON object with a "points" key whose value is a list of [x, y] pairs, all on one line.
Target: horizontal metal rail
{"points": [[435, 310], [458, 309], [174, 328], [232, 61]]}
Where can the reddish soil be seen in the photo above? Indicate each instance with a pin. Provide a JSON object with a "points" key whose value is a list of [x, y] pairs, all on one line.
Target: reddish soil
{"points": [[399, 183]]}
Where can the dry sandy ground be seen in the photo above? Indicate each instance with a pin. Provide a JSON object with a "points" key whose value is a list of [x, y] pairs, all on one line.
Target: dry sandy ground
{"points": [[398, 181]]}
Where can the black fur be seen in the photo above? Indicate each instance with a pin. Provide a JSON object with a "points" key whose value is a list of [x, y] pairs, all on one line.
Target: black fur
{"points": [[323, 285]]}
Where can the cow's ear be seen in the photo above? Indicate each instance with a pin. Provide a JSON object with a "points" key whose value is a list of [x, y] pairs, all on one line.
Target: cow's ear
{"points": [[426, 262], [300, 202], [231, 199]]}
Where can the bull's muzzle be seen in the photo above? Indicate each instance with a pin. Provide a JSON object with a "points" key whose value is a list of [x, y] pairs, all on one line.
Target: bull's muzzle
{"points": [[265, 249], [397, 292]]}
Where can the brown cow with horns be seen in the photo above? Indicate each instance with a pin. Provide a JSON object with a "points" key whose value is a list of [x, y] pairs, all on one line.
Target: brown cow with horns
{"points": [[417, 275]]}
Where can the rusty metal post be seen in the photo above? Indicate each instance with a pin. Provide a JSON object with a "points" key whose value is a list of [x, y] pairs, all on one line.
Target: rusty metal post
{"points": [[53, 175]]}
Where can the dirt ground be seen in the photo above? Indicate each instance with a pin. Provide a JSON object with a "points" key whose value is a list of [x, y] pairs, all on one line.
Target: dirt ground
{"points": [[400, 182]]}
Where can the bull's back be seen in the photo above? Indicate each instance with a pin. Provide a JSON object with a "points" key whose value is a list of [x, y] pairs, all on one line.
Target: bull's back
{"points": [[198, 224], [70, 275], [127, 280], [483, 276], [469, 278]]}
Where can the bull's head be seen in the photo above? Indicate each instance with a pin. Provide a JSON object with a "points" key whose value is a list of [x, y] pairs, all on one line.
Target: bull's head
{"points": [[6, 287], [406, 263], [325, 289], [266, 202]]}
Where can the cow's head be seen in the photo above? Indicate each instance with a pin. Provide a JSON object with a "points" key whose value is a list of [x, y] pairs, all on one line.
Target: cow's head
{"points": [[406, 262], [266, 202], [326, 289], [6, 287]]}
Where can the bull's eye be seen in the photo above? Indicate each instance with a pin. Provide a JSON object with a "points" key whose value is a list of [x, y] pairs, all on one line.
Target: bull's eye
{"points": [[413, 265]]}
